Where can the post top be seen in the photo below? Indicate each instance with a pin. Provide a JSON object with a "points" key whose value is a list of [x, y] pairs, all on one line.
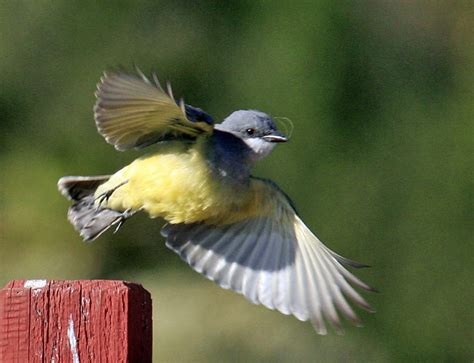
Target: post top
{"points": [[64, 284]]}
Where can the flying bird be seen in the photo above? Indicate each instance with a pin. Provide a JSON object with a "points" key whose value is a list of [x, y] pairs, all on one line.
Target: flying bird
{"points": [[238, 230]]}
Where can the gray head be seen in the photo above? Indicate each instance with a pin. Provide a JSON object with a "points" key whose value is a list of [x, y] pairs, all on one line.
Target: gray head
{"points": [[255, 128]]}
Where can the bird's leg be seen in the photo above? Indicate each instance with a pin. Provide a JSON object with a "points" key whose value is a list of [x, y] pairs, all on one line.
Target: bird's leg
{"points": [[124, 216], [104, 197]]}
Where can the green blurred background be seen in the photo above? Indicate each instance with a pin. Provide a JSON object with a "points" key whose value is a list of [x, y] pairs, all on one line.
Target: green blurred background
{"points": [[380, 164]]}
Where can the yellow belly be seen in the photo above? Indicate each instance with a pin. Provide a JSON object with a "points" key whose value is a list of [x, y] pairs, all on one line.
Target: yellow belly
{"points": [[176, 183]]}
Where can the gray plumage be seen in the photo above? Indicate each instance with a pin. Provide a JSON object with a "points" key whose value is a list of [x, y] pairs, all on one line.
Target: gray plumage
{"points": [[86, 217]]}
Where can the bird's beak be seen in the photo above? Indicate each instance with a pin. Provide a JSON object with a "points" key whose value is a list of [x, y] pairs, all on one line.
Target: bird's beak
{"points": [[275, 136]]}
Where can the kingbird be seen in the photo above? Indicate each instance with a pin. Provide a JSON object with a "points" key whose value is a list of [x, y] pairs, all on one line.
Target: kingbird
{"points": [[238, 230]]}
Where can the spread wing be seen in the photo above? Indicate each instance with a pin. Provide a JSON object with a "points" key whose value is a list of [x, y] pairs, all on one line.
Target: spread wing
{"points": [[273, 260], [133, 112]]}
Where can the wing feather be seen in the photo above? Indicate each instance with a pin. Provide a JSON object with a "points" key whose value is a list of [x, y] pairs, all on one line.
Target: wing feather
{"points": [[252, 270], [280, 280], [274, 279], [316, 297], [286, 277], [323, 281], [339, 298], [235, 276], [132, 112], [276, 261]]}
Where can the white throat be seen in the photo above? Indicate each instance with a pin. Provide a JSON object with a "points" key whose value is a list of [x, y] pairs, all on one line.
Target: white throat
{"points": [[260, 148]]}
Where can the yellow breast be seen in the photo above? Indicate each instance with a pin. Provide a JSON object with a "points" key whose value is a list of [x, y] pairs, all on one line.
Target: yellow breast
{"points": [[177, 184]]}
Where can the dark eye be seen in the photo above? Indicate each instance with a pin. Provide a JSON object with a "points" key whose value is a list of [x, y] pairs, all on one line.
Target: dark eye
{"points": [[250, 131]]}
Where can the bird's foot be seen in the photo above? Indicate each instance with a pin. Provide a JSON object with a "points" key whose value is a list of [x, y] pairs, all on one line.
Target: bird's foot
{"points": [[123, 217], [104, 197]]}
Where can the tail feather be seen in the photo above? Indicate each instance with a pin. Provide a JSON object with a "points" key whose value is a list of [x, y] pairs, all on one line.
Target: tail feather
{"points": [[78, 187], [91, 221], [86, 217]]}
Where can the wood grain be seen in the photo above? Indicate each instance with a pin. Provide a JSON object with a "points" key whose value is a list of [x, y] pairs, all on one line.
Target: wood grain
{"points": [[75, 321]]}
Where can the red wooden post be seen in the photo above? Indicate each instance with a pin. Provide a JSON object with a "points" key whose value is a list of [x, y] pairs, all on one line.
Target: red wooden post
{"points": [[75, 321]]}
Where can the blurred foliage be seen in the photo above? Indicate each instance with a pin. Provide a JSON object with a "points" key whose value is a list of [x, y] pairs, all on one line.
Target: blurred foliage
{"points": [[380, 164]]}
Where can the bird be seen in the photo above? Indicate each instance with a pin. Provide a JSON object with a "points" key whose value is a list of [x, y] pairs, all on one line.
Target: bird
{"points": [[238, 230]]}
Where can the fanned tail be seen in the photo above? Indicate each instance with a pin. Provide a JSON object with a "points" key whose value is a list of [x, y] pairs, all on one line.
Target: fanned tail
{"points": [[87, 218]]}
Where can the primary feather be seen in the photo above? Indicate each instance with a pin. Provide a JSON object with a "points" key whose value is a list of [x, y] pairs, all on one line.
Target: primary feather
{"points": [[132, 112]]}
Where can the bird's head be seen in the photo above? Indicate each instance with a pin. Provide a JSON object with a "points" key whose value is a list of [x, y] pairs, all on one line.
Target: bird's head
{"points": [[255, 128]]}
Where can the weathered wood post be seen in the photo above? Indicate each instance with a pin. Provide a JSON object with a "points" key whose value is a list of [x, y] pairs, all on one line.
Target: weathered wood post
{"points": [[75, 321]]}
